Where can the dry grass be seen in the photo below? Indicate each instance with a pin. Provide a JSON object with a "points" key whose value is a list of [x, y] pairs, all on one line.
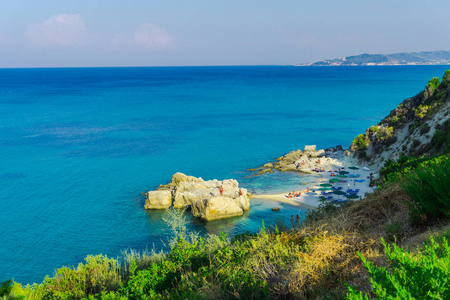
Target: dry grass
{"points": [[375, 215], [329, 258]]}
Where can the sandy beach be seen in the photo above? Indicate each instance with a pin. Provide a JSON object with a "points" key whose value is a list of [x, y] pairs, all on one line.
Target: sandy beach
{"points": [[350, 181]]}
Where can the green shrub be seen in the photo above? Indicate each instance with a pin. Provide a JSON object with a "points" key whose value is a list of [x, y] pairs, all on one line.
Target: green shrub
{"points": [[98, 274], [6, 288], [434, 83], [393, 170], [425, 128], [415, 143], [361, 142], [441, 138], [446, 76], [385, 133], [421, 111], [429, 190], [421, 276]]}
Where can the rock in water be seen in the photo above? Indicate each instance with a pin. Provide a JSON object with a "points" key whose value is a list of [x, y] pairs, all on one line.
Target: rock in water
{"points": [[186, 191], [158, 200], [219, 207]]}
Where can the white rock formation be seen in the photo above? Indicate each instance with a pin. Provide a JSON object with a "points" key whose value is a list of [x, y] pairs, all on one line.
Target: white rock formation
{"points": [[158, 200], [186, 191], [219, 207]]}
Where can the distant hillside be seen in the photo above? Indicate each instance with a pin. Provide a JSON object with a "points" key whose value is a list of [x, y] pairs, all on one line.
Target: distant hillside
{"points": [[412, 58]]}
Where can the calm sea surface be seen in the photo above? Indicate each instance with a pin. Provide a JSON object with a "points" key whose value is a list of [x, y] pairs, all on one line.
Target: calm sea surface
{"points": [[78, 147]]}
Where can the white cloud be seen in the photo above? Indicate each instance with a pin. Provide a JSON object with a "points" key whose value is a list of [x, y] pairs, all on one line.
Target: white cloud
{"points": [[152, 37], [62, 30]]}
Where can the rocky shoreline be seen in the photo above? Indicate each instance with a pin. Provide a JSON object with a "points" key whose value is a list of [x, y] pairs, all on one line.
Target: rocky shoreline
{"points": [[306, 161], [215, 199]]}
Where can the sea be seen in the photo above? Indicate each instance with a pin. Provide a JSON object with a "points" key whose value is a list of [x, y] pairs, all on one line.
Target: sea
{"points": [[80, 146]]}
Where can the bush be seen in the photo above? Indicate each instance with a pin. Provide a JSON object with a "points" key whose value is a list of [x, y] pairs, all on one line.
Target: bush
{"points": [[441, 138], [5, 288], [425, 128], [361, 142], [98, 274], [434, 83], [429, 189], [390, 141], [415, 143], [393, 170], [421, 276]]}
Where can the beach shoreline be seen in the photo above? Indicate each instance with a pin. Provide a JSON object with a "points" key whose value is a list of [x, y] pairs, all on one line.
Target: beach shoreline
{"points": [[312, 200]]}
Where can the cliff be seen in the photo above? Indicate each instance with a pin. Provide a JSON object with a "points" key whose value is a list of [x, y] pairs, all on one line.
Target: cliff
{"points": [[419, 125]]}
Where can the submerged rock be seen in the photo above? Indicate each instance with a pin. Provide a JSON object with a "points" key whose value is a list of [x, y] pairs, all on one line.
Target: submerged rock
{"points": [[185, 191]]}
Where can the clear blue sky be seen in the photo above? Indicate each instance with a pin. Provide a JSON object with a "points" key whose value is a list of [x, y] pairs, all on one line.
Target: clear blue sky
{"points": [[69, 33]]}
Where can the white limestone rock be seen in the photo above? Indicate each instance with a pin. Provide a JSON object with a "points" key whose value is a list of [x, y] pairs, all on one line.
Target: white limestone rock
{"points": [[219, 207], [158, 200]]}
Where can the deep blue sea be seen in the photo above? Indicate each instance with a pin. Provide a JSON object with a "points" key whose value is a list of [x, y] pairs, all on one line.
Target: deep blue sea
{"points": [[79, 146]]}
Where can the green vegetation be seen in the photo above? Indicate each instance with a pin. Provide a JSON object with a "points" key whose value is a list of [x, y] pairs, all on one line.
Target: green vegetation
{"points": [[361, 142], [441, 139], [6, 287], [385, 133], [421, 111], [421, 276], [393, 170], [429, 188], [434, 83]]}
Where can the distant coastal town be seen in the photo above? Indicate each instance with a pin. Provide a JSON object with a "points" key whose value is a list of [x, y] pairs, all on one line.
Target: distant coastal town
{"points": [[395, 59]]}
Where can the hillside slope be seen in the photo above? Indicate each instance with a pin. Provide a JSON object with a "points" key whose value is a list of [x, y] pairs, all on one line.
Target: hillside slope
{"points": [[419, 125]]}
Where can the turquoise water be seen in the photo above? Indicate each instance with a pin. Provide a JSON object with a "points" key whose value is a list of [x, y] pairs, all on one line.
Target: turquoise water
{"points": [[78, 147]]}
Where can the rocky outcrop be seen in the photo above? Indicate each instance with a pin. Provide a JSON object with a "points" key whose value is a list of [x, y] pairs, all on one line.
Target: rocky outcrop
{"points": [[158, 199], [218, 207], [301, 161], [419, 125], [186, 191]]}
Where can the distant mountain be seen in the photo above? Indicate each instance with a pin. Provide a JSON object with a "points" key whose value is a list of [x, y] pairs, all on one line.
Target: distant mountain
{"points": [[411, 58]]}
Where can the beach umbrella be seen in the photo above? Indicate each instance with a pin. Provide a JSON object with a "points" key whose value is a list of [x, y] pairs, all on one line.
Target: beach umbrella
{"points": [[344, 172], [324, 189], [341, 176], [339, 193], [353, 169], [352, 196], [335, 180], [325, 185]]}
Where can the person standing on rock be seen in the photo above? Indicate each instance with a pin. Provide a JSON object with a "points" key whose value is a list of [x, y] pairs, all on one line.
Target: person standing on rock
{"points": [[221, 190]]}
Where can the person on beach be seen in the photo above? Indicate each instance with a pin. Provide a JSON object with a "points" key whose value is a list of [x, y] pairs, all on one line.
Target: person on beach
{"points": [[371, 176], [240, 192], [297, 219], [221, 190], [307, 190]]}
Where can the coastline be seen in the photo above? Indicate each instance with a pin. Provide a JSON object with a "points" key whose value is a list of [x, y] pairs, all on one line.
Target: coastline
{"points": [[311, 200]]}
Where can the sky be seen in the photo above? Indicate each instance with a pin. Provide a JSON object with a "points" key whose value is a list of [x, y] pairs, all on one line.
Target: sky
{"points": [[103, 33]]}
